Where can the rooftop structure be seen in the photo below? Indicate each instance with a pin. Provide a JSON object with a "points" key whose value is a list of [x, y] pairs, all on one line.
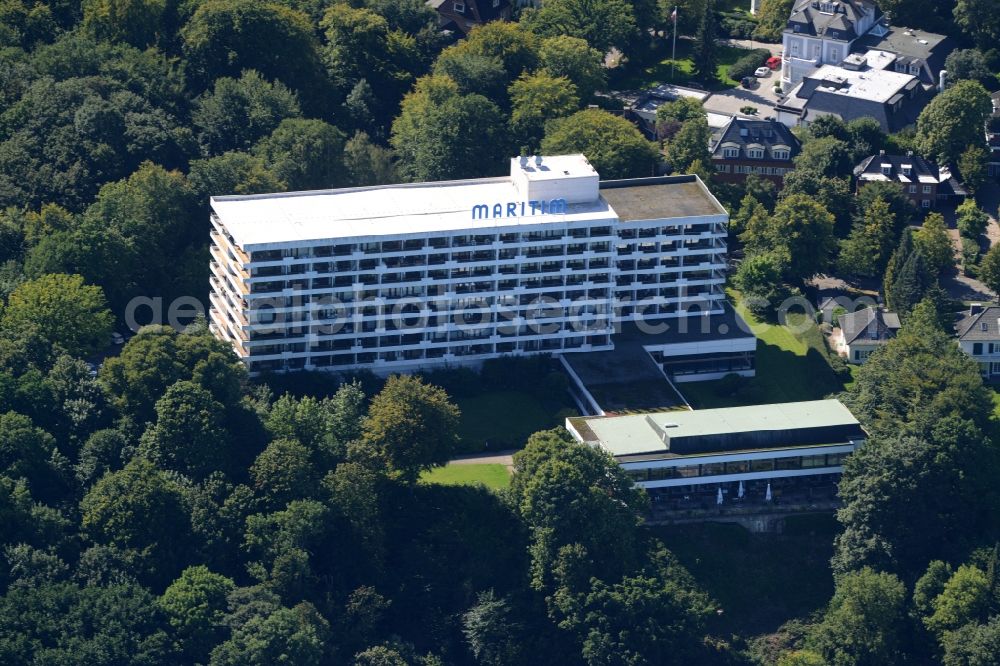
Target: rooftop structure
{"points": [[891, 98], [710, 446], [403, 277]]}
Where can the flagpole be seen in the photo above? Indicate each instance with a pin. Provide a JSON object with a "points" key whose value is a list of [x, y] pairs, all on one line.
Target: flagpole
{"points": [[673, 55]]}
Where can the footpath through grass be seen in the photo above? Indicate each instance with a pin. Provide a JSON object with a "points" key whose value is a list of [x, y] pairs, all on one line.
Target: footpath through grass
{"points": [[792, 364], [491, 475]]}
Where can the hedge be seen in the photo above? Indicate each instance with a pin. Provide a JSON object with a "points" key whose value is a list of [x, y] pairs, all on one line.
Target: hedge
{"points": [[746, 65]]}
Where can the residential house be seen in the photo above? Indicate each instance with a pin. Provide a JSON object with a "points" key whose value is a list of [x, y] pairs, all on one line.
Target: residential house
{"points": [[861, 87], [763, 147], [822, 33], [924, 182], [860, 333], [463, 15], [979, 337], [825, 32]]}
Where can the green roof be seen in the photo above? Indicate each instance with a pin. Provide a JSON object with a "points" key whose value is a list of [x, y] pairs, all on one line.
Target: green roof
{"points": [[644, 433]]}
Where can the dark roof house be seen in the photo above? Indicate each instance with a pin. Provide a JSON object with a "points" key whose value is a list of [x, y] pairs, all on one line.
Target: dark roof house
{"points": [[463, 15], [979, 324], [745, 146], [871, 325], [922, 180], [833, 19], [917, 52]]}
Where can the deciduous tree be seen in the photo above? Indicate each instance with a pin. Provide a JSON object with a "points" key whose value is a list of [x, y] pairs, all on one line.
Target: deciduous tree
{"points": [[953, 121], [66, 311], [411, 426], [611, 144]]}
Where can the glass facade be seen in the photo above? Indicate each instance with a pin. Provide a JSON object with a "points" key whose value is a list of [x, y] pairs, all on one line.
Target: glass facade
{"points": [[738, 467]]}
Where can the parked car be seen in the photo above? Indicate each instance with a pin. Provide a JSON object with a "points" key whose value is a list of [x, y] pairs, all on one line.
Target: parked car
{"points": [[117, 338], [749, 82], [774, 62], [762, 72]]}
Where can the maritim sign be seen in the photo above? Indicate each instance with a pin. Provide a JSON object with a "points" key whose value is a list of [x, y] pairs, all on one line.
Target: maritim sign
{"points": [[522, 209]]}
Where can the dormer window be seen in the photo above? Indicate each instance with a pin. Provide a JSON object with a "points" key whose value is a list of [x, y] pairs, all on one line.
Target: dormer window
{"points": [[780, 154], [886, 169], [755, 153], [730, 152], [460, 7], [907, 169]]}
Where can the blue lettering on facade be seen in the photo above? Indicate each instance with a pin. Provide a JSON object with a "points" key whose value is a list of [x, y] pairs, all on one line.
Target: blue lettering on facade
{"points": [[516, 209]]}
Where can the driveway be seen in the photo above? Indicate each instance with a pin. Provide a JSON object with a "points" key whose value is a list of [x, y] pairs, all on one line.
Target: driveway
{"points": [[730, 101]]}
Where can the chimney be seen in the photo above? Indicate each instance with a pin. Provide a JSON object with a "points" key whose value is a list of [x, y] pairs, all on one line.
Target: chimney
{"points": [[524, 161], [881, 153], [943, 80], [538, 160], [909, 153]]}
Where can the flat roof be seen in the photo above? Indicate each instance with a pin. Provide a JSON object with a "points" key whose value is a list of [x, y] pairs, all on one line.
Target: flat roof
{"points": [[634, 434], [660, 198], [876, 85], [389, 210], [439, 207]]}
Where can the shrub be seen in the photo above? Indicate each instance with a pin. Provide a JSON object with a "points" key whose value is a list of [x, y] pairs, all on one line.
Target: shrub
{"points": [[970, 256], [738, 25], [746, 65]]}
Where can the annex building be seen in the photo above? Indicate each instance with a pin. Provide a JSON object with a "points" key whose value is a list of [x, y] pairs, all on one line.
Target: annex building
{"points": [[403, 277], [795, 444]]}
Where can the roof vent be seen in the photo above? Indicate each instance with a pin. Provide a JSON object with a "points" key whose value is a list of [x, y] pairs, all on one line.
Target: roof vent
{"points": [[671, 425]]}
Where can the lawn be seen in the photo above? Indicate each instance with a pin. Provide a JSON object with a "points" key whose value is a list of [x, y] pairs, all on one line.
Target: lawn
{"points": [[504, 419], [640, 78], [759, 580], [491, 475], [792, 365]]}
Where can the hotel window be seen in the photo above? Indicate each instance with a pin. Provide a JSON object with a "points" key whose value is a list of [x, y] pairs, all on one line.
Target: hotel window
{"points": [[927, 189], [730, 152], [780, 154], [977, 348], [795, 46], [765, 465], [914, 69], [687, 471], [926, 203], [913, 189], [755, 153], [835, 53], [813, 461], [788, 463], [817, 51], [712, 469]]}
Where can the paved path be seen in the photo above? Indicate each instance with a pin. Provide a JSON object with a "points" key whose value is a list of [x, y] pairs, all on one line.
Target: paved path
{"points": [[505, 458]]}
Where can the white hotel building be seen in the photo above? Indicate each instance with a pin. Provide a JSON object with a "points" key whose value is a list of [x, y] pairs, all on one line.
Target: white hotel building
{"points": [[404, 277]]}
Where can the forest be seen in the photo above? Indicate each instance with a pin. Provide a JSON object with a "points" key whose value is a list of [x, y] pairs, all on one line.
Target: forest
{"points": [[168, 509]]}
